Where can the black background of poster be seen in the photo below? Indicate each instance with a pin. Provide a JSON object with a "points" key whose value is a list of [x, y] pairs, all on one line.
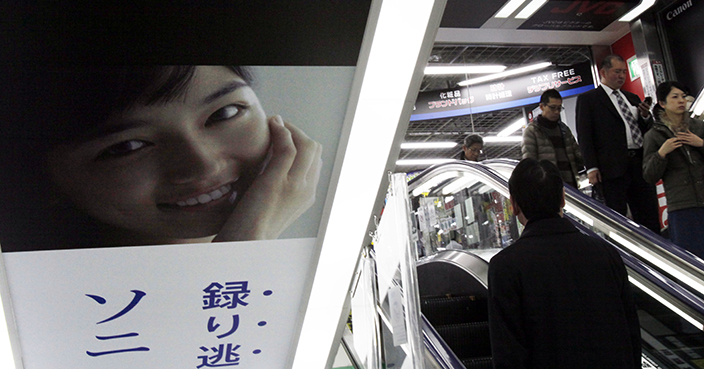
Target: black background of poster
{"points": [[294, 32]]}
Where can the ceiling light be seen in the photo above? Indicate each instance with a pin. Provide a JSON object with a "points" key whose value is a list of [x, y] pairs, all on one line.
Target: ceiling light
{"points": [[428, 145], [515, 126], [464, 69], [504, 139], [638, 10], [422, 161], [503, 74], [509, 8], [530, 9]]}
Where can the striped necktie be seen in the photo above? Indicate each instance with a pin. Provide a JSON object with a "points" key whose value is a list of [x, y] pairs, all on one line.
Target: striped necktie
{"points": [[630, 119]]}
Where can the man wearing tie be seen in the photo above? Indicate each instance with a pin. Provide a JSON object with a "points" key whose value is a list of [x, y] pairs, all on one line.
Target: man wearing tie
{"points": [[610, 127]]}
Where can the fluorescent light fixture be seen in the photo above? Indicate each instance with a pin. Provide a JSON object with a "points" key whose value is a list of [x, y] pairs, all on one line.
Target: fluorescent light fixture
{"points": [[464, 69], [669, 305], [509, 8], [428, 145], [638, 10], [515, 126], [653, 260], [503, 139], [530, 9], [503, 74], [377, 101], [428, 162], [579, 214]]}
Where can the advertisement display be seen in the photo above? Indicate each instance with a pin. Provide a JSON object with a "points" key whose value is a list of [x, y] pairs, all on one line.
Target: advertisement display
{"points": [[503, 94], [162, 214], [156, 178]]}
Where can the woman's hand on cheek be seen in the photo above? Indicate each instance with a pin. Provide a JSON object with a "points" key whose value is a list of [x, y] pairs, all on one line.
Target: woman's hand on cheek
{"points": [[283, 191]]}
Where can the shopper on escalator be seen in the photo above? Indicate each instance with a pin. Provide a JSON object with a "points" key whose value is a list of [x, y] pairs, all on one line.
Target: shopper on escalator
{"points": [[548, 138], [472, 148], [558, 298], [674, 153]]}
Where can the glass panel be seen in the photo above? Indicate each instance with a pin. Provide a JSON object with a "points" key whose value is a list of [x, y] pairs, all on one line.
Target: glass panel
{"points": [[464, 213]]}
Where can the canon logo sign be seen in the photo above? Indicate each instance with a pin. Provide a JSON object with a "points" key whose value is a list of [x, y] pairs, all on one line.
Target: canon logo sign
{"points": [[679, 10]]}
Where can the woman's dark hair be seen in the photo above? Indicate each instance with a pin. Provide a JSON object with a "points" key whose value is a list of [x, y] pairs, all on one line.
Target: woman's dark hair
{"points": [[45, 105], [56, 104], [664, 89], [536, 187]]}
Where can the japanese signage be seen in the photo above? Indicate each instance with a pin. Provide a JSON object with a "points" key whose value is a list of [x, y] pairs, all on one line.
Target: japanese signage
{"points": [[502, 94], [151, 307]]}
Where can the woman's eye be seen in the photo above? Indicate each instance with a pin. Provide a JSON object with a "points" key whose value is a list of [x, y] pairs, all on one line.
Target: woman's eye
{"points": [[225, 113], [123, 148]]}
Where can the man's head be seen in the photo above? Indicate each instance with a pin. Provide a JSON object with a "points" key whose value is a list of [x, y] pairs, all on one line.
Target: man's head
{"points": [[613, 71], [536, 190], [472, 147], [551, 105]]}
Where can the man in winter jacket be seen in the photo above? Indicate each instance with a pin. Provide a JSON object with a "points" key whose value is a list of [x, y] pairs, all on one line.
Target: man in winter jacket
{"points": [[547, 138]]}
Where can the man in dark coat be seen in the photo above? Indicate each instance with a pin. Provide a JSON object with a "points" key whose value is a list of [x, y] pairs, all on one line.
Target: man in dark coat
{"points": [[558, 298], [611, 124]]}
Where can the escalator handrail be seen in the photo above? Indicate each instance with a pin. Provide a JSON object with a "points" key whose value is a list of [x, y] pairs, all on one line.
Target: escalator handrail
{"points": [[683, 295], [439, 350], [459, 165], [635, 229], [680, 257]]}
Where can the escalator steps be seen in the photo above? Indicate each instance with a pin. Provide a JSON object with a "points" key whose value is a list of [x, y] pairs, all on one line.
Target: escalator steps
{"points": [[453, 310], [467, 340], [477, 363]]}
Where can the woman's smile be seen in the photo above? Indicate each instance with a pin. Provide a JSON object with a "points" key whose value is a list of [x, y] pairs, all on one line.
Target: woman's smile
{"points": [[170, 170]]}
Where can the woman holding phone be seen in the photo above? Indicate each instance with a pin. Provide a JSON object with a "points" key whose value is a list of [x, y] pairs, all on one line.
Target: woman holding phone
{"points": [[674, 152]]}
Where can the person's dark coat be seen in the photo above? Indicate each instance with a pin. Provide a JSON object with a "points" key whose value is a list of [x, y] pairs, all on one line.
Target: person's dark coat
{"points": [[602, 133], [561, 299], [681, 171]]}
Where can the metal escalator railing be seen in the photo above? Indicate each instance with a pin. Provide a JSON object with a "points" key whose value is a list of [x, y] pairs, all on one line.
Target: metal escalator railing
{"points": [[633, 238], [671, 308]]}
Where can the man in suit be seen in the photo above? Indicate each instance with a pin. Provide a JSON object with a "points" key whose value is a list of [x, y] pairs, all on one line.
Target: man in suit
{"points": [[611, 124], [558, 298]]}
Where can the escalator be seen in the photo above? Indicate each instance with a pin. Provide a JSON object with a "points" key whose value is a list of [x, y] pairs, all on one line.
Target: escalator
{"points": [[461, 218]]}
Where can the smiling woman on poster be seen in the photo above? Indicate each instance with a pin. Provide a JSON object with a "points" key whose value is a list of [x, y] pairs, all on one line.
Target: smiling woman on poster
{"points": [[120, 156]]}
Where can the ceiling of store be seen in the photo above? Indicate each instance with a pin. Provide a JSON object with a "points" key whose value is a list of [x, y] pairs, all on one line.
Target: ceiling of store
{"points": [[482, 40]]}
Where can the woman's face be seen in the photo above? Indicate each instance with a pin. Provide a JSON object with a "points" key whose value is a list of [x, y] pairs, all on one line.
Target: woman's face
{"points": [[675, 102], [168, 172]]}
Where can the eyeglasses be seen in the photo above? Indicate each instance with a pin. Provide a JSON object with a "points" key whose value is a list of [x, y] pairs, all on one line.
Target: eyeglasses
{"points": [[556, 107], [472, 149]]}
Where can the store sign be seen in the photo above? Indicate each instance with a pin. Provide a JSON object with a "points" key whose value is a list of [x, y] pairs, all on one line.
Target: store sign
{"points": [[577, 15], [503, 94], [683, 7]]}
